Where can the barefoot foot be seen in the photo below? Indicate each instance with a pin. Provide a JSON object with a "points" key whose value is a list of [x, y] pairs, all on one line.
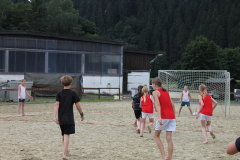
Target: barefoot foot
{"points": [[23, 115], [205, 142], [141, 135], [149, 129], [213, 136], [145, 131], [65, 158]]}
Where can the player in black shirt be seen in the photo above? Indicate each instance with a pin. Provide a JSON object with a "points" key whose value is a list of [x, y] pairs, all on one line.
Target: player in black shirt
{"points": [[64, 107]]}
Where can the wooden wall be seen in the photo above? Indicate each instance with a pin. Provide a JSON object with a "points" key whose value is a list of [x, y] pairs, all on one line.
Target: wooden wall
{"points": [[136, 61]]}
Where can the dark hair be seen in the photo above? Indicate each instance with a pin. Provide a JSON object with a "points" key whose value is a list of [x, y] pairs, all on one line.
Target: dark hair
{"points": [[139, 94], [158, 82]]}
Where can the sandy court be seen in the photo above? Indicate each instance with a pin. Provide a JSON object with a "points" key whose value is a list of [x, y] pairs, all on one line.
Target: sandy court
{"points": [[107, 133]]}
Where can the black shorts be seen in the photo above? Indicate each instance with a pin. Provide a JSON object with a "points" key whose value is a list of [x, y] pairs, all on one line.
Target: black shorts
{"points": [[238, 144], [138, 113], [67, 129]]}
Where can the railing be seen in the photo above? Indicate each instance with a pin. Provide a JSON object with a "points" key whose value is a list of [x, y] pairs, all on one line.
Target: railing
{"points": [[56, 89]]}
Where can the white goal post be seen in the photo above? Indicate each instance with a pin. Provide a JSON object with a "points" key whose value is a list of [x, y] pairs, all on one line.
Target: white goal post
{"points": [[217, 82]]}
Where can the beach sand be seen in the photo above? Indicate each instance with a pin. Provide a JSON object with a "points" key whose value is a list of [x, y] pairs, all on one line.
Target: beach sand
{"points": [[107, 133]]}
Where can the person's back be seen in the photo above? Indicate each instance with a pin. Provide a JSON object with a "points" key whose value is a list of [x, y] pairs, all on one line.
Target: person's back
{"points": [[166, 106], [66, 98], [147, 106], [136, 100], [207, 108]]}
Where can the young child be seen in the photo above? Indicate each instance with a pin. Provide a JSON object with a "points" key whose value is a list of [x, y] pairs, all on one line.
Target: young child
{"points": [[21, 96], [186, 100], [64, 107], [136, 107], [166, 117], [205, 111], [233, 147], [146, 103]]}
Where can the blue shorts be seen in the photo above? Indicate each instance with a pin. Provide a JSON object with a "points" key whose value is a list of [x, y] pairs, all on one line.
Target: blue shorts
{"points": [[19, 100], [185, 103]]}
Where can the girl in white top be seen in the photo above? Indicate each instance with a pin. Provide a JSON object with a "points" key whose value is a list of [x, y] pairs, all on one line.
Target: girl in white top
{"points": [[186, 100], [21, 96]]}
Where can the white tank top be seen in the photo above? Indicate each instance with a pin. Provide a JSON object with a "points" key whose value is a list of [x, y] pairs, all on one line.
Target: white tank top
{"points": [[185, 96], [22, 92]]}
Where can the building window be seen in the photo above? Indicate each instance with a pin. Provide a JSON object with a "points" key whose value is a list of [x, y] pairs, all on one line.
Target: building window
{"points": [[20, 61]]}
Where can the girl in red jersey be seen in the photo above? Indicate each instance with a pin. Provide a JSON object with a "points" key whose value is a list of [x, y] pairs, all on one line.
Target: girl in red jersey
{"points": [[205, 111], [166, 117], [146, 103]]}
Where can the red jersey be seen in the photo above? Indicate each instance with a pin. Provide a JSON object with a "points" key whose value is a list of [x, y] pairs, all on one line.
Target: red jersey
{"points": [[207, 108], [147, 106], [166, 106]]}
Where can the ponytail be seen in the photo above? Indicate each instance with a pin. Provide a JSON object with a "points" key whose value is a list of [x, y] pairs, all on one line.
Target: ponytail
{"points": [[145, 91], [158, 82], [203, 88], [139, 94]]}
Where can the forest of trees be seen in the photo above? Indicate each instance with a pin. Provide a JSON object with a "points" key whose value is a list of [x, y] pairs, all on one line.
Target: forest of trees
{"points": [[166, 26]]}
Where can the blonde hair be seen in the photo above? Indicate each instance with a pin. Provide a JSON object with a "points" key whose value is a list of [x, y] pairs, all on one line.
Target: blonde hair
{"points": [[145, 92], [158, 82], [144, 85], [23, 80], [203, 88], [66, 80]]}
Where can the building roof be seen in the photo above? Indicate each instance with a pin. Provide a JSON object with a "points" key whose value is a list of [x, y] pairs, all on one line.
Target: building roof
{"points": [[141, 52], [57, 36]]}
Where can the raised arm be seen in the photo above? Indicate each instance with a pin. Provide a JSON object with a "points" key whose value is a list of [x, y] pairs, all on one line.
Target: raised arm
{"points": [[80, 110], [215, 103], [19, 92], [156, 96], [201, 107], [56, 106]]}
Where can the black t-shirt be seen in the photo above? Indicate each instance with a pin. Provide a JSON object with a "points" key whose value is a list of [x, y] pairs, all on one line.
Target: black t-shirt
{"points": [[136, 101], [66, 99]]}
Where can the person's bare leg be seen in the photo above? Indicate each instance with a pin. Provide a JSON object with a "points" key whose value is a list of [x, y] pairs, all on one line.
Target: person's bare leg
{"points": [[150, 124], [210, 129], [159, 144], [19, 108], [190, 110], [142, 126], [180, 110], [144, 130], [135, 123], [23, 109], [65, 145], [231, 148], [170, 144], [204, 131], [138, 124]]}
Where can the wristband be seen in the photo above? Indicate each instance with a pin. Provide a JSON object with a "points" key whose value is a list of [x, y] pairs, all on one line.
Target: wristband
{"points": [[81, 114]]}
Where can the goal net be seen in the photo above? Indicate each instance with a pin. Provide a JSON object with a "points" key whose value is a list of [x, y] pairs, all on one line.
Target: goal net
{"points": [[217, 82]]}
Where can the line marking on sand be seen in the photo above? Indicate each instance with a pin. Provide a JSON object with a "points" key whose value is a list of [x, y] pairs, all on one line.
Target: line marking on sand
{"points": [[24, 116], [207, 131]]}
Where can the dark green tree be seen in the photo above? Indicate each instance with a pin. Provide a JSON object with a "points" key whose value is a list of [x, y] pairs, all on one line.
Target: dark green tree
{"points": [[201, 54]]}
